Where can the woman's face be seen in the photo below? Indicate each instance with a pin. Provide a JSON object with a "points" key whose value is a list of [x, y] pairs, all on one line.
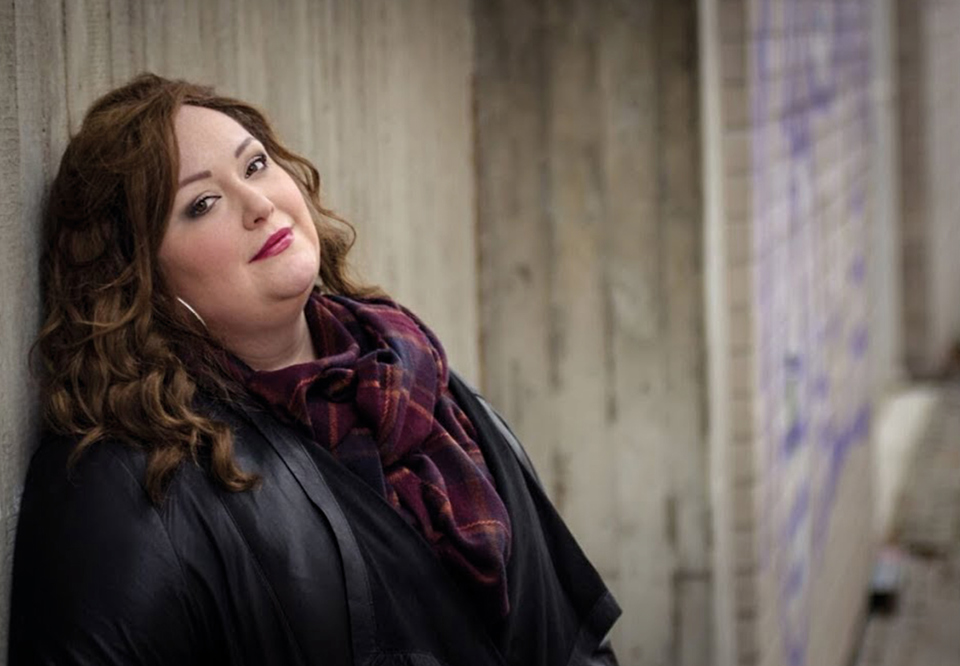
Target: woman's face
{"points": [[240, 245]]}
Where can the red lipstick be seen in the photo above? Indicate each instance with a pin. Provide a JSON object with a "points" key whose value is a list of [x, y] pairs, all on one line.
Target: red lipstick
{"points": [[277, 243]]}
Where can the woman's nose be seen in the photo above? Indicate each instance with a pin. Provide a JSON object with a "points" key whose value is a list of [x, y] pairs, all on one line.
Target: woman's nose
{"points": [[257, 207]]}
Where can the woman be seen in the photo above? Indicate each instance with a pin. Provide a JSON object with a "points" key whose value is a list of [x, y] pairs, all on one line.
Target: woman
{"points": [[249, 457]]}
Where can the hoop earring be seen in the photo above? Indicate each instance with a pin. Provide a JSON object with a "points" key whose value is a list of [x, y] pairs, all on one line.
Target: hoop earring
{"points": [[192, 311]]}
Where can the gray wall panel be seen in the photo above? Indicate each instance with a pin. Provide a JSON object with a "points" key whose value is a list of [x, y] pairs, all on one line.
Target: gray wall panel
{"points": [[591, 290]]}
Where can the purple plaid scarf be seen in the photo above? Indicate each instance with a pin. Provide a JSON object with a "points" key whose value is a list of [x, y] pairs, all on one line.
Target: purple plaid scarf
{"points": [[377, 398]]}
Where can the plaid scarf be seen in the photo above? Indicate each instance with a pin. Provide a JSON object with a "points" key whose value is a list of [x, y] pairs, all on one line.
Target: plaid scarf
{"points": [[377, 399]]}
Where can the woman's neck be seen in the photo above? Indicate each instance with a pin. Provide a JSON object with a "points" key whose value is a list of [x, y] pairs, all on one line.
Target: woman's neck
{"points": [[276, 348]]}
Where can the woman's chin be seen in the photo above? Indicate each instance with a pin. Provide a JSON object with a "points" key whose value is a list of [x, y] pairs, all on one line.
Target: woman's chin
{"points": [[300, 289], [297, 278]]}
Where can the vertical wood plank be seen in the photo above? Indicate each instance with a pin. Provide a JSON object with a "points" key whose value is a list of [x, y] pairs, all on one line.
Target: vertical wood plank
{"points": [[127, 40], [12, 399], [251, 55], [682, 280], [576, 304], [42, 68], [32, 133], [285, 46], [219, 35], [513, 193], [87, 49], [643, 419]]}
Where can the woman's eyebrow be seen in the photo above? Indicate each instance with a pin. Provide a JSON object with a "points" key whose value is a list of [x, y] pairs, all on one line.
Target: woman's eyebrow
{"points": [[207, 174], [243, 144], [196, 176]]}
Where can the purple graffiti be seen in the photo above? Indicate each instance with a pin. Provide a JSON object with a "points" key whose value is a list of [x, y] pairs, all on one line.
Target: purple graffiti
{"points": [[798, 513], [859, 341], [858, 267], [811, 345]]}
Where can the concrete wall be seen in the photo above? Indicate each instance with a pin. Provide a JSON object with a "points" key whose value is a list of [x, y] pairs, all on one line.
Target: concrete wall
{"points": [[377, 94], [562, 142], [886, 277], [591, 290], [930, 179], [789, 186]]}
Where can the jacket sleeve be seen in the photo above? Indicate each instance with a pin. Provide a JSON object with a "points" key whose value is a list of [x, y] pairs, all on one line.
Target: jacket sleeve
{"points": [[95, 576], [603, 655]]}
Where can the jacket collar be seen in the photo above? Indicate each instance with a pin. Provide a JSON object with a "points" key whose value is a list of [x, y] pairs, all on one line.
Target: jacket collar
{"points": [[292, 449]]}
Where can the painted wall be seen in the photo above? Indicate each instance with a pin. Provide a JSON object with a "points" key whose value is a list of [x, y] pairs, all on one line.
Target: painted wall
{"points": [[930, 180], [589, 205], [377, 94], [794, 143]]}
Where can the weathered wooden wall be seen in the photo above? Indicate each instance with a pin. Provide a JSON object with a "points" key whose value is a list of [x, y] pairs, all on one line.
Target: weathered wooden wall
{"points": [[591, 296], [376, 93], [929, 173]]}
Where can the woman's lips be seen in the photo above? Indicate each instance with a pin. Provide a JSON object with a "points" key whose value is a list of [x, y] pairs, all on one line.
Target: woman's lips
{"points": [[276, 244]]}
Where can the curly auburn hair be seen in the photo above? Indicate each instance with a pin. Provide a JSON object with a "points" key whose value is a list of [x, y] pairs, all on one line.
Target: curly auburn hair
{"points": [[120, 360]]}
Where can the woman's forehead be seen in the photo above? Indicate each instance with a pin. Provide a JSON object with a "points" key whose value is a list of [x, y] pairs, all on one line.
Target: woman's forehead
{"points": [[200, 130]]}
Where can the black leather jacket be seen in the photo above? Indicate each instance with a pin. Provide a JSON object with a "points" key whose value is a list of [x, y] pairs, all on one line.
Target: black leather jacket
{"points": [[309, 568]]}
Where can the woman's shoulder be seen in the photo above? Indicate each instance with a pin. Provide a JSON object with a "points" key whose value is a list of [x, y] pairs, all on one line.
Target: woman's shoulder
{"points": [[107, 477], [104, 564], [103, 489], [90, 512], [481, 413], [61, 482], [93, 562], [90, 506], [51, 460]]}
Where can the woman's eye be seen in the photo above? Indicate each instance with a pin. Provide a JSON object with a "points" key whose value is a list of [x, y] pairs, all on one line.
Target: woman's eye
{"points": [[202, 205], [258, 163]]}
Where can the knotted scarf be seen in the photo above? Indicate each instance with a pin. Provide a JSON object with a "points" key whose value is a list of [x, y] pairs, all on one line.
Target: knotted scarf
{"points": [[377, 399]]}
